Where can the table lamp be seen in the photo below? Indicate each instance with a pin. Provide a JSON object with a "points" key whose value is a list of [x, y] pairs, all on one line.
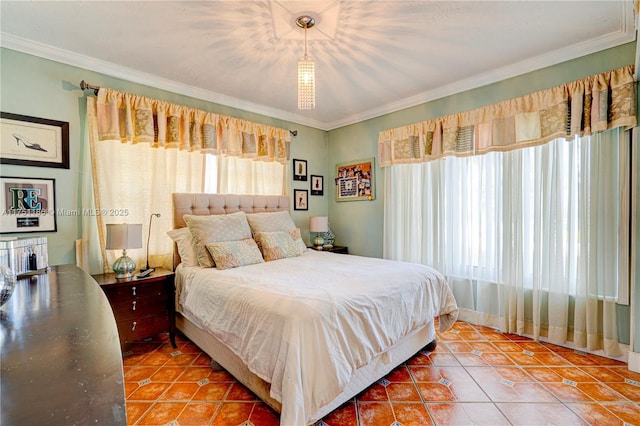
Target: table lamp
{"points": [[124, 236], [318, 224]]}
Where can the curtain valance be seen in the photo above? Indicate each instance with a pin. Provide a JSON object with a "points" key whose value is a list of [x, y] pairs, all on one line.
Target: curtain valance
{"points": [[138, 119], [590, 105]]}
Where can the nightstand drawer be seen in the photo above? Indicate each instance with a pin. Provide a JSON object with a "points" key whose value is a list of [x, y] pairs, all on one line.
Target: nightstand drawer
{"points": [[138, 328], [140, 289], [139, 306]]}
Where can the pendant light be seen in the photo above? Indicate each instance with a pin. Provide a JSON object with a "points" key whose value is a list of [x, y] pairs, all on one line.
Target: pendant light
{"points": [[306, 70]]}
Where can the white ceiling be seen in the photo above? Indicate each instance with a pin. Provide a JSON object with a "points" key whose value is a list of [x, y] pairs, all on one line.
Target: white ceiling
{"points": [[372, 57]]}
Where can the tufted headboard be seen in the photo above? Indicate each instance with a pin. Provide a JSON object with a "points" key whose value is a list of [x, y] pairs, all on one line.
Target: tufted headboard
{"points": [[209, 204]]}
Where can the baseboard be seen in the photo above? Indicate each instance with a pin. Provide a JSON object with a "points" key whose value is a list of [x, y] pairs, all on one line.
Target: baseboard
{"points": [[634, 361]]}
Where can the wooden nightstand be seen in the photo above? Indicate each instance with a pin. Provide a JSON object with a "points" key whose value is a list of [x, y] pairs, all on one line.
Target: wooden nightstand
{"points": [[335, 249], [142, 306]]}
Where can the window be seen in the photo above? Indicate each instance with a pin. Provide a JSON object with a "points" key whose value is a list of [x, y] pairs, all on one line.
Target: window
{"points": [[233, 175], [551, 217]]}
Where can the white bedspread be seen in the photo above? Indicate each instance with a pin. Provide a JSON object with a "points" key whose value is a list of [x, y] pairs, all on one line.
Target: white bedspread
{"points": [[305, 324]]}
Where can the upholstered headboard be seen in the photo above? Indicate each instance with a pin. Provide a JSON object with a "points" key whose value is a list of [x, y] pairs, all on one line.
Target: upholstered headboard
{"points": [[209, 204]]}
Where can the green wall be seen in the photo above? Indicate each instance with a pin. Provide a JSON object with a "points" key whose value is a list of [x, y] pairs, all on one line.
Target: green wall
{"points": [[42, 88]]}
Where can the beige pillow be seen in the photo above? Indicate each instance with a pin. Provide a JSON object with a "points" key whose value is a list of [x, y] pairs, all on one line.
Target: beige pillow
{"points": [[278, 245], [232, 254], [270, 221], [187, 251], [213, 229], [273, 222]]}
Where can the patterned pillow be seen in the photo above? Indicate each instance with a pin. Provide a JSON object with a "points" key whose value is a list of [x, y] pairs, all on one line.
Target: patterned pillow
{"points": [[231, 254], [274, 222], [278, 245], [270, 221], [214, 229], [183, 239]]}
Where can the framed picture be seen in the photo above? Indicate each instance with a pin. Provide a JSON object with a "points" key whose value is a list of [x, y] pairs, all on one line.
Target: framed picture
{"points": [[300, 199], [300, 170], [317, 185], [32, 141], [28, 205], [355, 180]]}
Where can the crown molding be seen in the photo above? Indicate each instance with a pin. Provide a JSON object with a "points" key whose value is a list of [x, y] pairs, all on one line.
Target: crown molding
{"points": [[625, 34], [67, 57]]}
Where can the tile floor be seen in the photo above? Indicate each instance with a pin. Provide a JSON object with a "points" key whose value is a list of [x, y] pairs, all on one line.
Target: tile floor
{"points": [[476, 376]]}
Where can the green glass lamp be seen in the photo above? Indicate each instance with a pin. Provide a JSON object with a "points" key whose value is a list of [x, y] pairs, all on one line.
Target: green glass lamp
{"points": [[124, 236], [319, 225]]}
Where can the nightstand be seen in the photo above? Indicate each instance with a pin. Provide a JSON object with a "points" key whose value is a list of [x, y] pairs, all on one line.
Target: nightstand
{"points": [[142, 307], [334, 249]]}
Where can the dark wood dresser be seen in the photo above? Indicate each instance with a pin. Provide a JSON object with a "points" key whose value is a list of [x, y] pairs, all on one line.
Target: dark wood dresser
{"points": [[61, 359], [143, 307]]}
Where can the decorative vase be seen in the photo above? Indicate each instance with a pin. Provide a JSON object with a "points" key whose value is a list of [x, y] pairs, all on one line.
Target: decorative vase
{"points": [[329, 238]]}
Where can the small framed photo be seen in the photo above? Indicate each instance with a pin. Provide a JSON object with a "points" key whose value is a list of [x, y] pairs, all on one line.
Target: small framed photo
{"points": [[300, 199], [28, 205], [32, 141], [355, 180], [317, 185], [300, 170]]}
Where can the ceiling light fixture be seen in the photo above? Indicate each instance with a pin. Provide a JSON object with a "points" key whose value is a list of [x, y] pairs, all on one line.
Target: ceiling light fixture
{"points": [[306, 70]]}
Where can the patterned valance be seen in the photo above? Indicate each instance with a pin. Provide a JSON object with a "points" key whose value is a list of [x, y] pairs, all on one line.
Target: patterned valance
{"points": [[593, 104], [137, 119]]}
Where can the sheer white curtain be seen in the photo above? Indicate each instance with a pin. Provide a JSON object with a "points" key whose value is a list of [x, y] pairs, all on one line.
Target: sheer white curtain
{"points": [[522, 234], [233, 175]]}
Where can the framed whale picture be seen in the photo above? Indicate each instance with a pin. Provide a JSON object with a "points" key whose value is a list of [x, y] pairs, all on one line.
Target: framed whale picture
{"points": [[33, 141]]}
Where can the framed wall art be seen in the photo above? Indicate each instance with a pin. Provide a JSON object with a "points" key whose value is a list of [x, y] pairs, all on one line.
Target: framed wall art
{"points": [[355, 180], [32, 141], [27, 205], [300, 170], [317, 185], [300, 199]]}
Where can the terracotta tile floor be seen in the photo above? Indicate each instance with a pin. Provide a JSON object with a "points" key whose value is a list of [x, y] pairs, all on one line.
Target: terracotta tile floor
{"points": [[476, 376]]}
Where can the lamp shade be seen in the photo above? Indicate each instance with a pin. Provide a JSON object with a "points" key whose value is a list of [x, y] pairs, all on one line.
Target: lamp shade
{"points": [[124, 236], [319, 224], [306, 84]]}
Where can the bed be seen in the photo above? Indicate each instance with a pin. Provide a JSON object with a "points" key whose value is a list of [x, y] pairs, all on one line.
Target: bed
{"points": [[306, 332]]}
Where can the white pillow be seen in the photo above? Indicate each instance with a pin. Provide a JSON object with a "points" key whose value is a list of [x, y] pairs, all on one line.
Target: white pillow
{"points": [[273, 222], [182, 237], [213, 229]]}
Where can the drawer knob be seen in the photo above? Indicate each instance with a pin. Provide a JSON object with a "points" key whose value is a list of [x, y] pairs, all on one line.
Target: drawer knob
{"points": [[133, 308], [134, 326], [134, 290]]}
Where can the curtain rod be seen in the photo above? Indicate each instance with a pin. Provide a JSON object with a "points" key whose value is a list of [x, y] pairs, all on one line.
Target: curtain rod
{"points": [[86, 86]]}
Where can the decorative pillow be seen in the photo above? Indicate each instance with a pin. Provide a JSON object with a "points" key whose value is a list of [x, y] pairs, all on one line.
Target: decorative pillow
{"points": [[278, 245], [270, 221], [231, 254], [214, 229], [274, 222], [182, 237]]}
